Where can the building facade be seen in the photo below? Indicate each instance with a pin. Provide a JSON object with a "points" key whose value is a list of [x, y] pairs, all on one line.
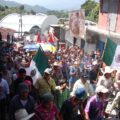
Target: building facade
{"points": [[109, 15], [108, 25]]}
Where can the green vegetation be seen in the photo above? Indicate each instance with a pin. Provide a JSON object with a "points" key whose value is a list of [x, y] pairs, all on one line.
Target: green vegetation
{"points": [[91, 10], [32, 12], [59, 14], [5, 10], [90, 6]]}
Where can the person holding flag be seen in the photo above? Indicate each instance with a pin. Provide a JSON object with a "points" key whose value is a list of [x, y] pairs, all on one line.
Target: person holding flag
{"points": [[37, 66], [45, 84]]}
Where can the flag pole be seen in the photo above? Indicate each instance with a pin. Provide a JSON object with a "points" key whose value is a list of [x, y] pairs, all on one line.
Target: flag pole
{"points": [[41, 48], [104, 48]]}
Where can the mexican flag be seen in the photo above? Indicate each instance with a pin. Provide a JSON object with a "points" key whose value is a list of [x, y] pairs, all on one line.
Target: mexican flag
{"points": [[112, 54], [37, 66]]}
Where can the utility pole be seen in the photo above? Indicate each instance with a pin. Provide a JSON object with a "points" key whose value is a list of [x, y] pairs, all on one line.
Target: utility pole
{"points": [[21, 22], [21, 26]]}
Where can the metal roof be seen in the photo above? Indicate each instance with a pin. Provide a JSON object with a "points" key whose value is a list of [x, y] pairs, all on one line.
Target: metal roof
{"points": [[12, 21]]}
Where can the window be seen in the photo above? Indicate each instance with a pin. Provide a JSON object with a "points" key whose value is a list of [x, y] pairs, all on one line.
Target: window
{"points": [[104, 6]]}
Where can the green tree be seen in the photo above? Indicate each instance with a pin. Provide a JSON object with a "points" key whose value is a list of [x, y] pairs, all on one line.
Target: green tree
{"points": [[21, 7], [32, 12], [91, 10], [2, 8], [6, 7], [59, 14], [94, 14], [8, 10]]}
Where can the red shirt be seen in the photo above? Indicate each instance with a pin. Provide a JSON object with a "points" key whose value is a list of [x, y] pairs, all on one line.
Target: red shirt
{"points": [[51, 38], [42, 114]]}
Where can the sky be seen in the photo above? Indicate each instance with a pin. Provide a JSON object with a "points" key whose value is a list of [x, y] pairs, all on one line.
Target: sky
{"points": [[54, 4]]}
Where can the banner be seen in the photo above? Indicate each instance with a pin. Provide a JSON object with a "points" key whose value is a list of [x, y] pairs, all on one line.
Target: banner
{"points": [[77, 23]]}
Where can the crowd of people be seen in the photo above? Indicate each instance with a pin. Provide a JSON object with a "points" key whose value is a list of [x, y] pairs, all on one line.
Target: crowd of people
{"points": [[76, 86]]}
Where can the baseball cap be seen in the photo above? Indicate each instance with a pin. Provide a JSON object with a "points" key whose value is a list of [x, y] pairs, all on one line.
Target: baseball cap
{"points": [[23, 87], [101, 89], [47, 97], [48, 71], [80, 93]]}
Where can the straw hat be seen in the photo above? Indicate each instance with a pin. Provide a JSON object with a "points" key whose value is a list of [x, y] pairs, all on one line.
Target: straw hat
{"points": [[76, 62], [56, 64], [22, 114], [95, 62], [108, 70]]}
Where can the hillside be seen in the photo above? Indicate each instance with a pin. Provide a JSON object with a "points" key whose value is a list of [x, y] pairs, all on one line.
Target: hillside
{"points": [[35, 8], [8, 7]]}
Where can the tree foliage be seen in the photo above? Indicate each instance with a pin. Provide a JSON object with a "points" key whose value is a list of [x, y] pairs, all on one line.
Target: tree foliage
{"points": [[2, 8], [91, 10], [5, 10], [32, 12], [59, 14], [21, 7]]}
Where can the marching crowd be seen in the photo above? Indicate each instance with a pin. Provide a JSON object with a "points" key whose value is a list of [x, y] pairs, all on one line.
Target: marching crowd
{"points": [[76, 86]]}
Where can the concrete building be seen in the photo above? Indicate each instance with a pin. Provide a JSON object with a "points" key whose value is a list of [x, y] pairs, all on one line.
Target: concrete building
{"points": [[4, 32], [108, 26], [109, 15]]}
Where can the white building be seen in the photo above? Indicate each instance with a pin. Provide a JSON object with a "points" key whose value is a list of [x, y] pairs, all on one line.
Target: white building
{"points": [[40, 21]]}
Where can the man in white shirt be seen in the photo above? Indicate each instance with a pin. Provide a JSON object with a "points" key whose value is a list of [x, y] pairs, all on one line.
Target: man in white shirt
{"points": [[83, 83], [106, 80]]}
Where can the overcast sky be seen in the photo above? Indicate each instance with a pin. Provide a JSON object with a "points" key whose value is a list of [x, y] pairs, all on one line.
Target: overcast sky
{"points": [[54, 4]]}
